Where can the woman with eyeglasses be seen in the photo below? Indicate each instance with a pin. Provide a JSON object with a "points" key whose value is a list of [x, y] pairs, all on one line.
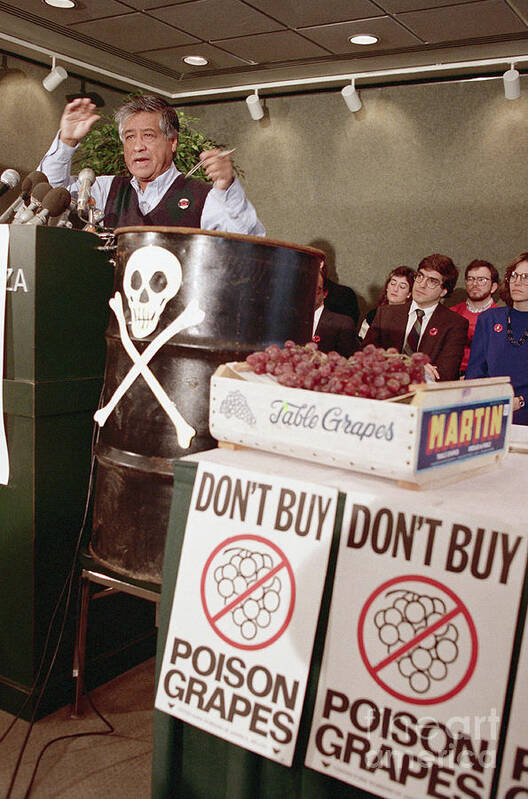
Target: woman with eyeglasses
{"points": [[397, 290], [500, 343]]}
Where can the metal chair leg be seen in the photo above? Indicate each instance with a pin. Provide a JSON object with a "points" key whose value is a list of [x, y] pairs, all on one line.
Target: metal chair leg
{"points": [[79, 652], [111, 585]]}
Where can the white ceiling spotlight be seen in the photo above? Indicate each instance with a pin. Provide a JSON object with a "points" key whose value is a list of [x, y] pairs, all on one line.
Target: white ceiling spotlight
{"points": [[255, 106], [61, 3], [512, 83], [363, 39], [351, 96], [196, 60], [55, 77]]}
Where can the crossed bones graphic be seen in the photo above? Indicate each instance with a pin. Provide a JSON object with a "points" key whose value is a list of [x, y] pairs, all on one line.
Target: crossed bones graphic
{"points": [[192, 315]]}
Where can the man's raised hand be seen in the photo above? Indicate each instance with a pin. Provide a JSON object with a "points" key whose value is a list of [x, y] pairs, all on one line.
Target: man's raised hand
{"points": [[77, 120]]}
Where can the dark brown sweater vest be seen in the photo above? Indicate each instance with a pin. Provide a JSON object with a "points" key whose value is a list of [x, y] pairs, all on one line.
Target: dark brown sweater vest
{"points": [[180, 206]]}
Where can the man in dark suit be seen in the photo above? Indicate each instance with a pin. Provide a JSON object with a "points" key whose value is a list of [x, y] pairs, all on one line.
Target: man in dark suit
{"points": [[342, 300], [332, 331], [424, 324]]}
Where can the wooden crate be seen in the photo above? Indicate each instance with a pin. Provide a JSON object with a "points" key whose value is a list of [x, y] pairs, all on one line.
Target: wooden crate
{"points": [[436, 433]]}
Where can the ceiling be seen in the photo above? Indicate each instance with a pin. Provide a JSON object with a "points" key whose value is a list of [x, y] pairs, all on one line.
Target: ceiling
{"points": [[260, 43]]}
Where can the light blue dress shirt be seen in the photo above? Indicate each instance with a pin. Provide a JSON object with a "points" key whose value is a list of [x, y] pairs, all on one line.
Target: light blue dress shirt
{"points": [[228, 210]]}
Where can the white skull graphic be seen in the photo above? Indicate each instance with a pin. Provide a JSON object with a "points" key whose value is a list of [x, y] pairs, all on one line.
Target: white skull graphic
{"points": [[152, 277]]}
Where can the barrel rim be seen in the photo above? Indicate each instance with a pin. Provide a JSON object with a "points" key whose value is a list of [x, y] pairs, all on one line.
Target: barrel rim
{"points": [[219, 234]]}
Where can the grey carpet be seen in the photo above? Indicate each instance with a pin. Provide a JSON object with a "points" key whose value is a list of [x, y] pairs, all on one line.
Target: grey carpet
{"points": [[117, 765]]}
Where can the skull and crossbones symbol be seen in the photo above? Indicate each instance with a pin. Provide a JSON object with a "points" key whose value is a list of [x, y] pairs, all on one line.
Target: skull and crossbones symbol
{"points": [[152, 277]]}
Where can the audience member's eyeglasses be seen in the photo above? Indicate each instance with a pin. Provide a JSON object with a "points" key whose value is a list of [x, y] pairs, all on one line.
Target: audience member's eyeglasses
{"points": [[430, 282], [480, 280], [522, 276]]}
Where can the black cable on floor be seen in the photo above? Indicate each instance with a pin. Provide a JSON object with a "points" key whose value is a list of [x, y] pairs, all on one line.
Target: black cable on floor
{"points": [[67, 589], [109, 731]]}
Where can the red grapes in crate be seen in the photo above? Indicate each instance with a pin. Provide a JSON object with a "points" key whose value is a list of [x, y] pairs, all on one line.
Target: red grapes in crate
{"points": [[373, 372]]}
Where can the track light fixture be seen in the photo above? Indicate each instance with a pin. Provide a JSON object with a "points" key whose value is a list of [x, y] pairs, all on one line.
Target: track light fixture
{"points": [[512, 83], [255, 106], [55, 77], [351, 96]]}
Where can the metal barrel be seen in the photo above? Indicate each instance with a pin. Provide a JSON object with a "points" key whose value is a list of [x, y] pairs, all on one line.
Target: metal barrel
{"points": [[253, 292]]}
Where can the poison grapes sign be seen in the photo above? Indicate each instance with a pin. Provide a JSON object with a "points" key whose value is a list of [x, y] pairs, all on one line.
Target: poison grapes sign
{"points": [[431, 596], [241, 630]]}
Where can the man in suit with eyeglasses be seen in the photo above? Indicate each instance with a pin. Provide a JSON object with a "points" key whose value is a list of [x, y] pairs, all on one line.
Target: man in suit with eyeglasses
{"points": [[424, 324], [482, 280]]}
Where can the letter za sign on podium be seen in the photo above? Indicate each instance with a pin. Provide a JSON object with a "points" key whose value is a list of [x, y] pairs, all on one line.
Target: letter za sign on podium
{"points": [[245, 608], [417, 654]]}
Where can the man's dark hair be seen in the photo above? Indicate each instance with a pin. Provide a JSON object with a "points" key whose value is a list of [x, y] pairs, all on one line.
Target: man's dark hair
{"points": [[477, 264], [324, 272], [504, 288], [169, 122], [445, 267]]}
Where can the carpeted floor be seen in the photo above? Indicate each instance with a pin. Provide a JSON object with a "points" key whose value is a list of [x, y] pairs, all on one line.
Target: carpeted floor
{"points": [[91, 767]]}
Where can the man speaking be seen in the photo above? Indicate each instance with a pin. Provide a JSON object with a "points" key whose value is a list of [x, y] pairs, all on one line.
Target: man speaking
{"points": [[157, 194]]}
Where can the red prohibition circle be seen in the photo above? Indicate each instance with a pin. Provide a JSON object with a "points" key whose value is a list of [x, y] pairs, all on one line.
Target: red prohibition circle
{"points": [[462, 609], [288, 568]]}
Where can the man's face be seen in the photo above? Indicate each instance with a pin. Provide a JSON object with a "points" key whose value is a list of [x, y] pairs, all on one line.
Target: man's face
{"points": [[148, 154], [479, 285], [428, 287], [320, 292]]}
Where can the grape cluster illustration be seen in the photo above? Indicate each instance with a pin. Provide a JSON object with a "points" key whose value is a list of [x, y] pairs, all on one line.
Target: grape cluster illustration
{"points": [[241, 569], [235, 404], [402, 621]]}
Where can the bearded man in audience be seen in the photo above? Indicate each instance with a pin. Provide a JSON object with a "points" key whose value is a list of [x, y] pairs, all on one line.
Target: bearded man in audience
{"points": [[482, 280]]}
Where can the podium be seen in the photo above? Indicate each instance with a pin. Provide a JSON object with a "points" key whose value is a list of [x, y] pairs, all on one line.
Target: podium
{"points": [[58, 287]]}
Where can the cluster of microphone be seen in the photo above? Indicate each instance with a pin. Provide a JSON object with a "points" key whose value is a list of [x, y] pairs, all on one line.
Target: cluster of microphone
{"points": [[38, 201]]}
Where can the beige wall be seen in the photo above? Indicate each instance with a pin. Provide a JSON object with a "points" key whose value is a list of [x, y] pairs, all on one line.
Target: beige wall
{"points": [[30, 115], [420, 169]]}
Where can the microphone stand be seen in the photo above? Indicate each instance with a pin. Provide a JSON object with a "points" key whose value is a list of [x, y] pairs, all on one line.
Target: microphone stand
{"points": [[94, 216]]}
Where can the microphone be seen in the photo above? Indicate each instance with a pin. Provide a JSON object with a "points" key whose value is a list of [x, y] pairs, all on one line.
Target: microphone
{"points": [[27, 184], [25, 213], [64, 219], [54, 203], [8, 180], [86, 179]]}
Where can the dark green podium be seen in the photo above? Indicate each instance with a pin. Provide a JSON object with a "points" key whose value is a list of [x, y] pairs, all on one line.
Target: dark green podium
{"points": [[58, 287]]}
